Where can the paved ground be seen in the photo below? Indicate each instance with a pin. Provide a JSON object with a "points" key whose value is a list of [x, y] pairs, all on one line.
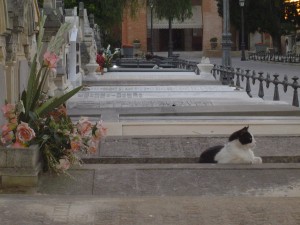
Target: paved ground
{"points": [[88, 210], [184, 194]]}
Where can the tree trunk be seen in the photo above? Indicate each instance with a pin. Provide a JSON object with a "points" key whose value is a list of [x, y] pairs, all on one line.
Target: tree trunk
{"points": [[170, 49], [277, 42]]}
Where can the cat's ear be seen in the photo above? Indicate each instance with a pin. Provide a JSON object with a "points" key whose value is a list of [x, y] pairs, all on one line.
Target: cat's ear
{"points": [[246, 128]]}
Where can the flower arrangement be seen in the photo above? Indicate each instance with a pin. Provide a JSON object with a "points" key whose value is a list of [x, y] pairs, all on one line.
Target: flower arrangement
{"points": [[108, 56], [100, 59], [43, 120], [60, 139]]}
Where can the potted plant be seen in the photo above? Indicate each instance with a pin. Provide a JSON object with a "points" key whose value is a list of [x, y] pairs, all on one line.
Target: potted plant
{"points": [[136, 43], [213, 43]]}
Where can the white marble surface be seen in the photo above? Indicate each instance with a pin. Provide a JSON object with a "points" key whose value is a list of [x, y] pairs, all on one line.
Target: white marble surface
{"points": [[172, 76], [159, 96], [177, 88]]}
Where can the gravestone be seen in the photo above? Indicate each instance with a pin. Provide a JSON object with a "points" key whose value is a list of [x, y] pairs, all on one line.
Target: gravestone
{"points": [[88, 45], [74, 57]]}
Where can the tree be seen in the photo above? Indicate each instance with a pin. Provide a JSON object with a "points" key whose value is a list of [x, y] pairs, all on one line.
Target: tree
{"points": [[170, 10], [108, 14], [275, 17]]}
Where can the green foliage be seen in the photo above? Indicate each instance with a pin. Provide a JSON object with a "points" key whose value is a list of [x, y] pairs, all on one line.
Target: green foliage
{"points": [[213, 39], [264, 16], [108, 14], [32, 97], [173, 9]]}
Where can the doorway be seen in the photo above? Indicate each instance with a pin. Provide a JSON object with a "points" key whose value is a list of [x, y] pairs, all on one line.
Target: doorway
{"points": [[177, 37]]}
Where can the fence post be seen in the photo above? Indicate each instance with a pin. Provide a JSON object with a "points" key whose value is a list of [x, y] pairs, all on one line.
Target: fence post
{"points": [[295, 86], [276, 92], [214, 71], [248, 88], [253, 77], [238, 84], [261, 86]]}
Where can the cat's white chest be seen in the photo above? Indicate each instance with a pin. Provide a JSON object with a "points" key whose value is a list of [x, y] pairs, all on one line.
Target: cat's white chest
{"points": [[235, 153]]}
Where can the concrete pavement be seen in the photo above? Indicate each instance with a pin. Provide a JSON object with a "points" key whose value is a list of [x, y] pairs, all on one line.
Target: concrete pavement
{"points": [[90, 210], [157, 194]]}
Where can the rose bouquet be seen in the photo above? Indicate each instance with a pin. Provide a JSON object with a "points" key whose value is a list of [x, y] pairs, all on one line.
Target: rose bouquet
{"points": [[40, 119], [61, 140]]}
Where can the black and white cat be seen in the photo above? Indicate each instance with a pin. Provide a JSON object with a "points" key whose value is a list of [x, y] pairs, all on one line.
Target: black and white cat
{"points": [[237, 150]]}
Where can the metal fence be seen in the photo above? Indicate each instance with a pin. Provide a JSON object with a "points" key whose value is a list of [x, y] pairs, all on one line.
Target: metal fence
{"points": [[231, 76], [234, 77], [273, 57]]}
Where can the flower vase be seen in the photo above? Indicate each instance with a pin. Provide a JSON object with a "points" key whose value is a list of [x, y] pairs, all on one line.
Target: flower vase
{"points": [[19, 167], [105, 69]]}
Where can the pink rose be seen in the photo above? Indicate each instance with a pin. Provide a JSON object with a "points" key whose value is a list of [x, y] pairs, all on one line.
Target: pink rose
{"points": [[7, 138], [84, 126], [50, 60], [75, 146], [99, 131], [64, 164], [92, 146], [24, 133], [5, 129], [8, 108]]}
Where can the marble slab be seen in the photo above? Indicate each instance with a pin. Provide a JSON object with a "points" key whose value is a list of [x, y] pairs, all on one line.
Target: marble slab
{"points": [[178, 88]]}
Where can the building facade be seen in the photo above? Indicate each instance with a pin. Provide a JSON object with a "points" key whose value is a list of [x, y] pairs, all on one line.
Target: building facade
{"points": [[190, 35]]}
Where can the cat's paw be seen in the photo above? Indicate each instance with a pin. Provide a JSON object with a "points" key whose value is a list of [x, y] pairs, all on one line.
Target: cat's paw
{"points": [[257, 160]]}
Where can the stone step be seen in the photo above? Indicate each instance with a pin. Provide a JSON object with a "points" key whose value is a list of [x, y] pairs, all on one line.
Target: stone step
{"points": [[187, 149], [129, 180]]}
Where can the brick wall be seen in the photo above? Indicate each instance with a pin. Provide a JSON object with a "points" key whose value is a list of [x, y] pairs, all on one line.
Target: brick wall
{"points": [[135, 28], [212, 23]]}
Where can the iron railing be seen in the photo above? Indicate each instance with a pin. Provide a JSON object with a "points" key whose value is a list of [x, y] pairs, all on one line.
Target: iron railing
{"points": [[274, 57], [233, 77]]}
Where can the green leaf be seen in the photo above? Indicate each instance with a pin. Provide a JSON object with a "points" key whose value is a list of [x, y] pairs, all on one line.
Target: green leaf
{"points": [[54, 102], [31, 82]]}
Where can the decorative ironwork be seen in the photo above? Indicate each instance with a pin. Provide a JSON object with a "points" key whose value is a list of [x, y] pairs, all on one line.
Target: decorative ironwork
{"points": [[237, 73], [273, 57]]}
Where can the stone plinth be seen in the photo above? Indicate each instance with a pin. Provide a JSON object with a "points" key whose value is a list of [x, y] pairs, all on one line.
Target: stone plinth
{"points": [[91, 67], [205, 69], [19, 166]]}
